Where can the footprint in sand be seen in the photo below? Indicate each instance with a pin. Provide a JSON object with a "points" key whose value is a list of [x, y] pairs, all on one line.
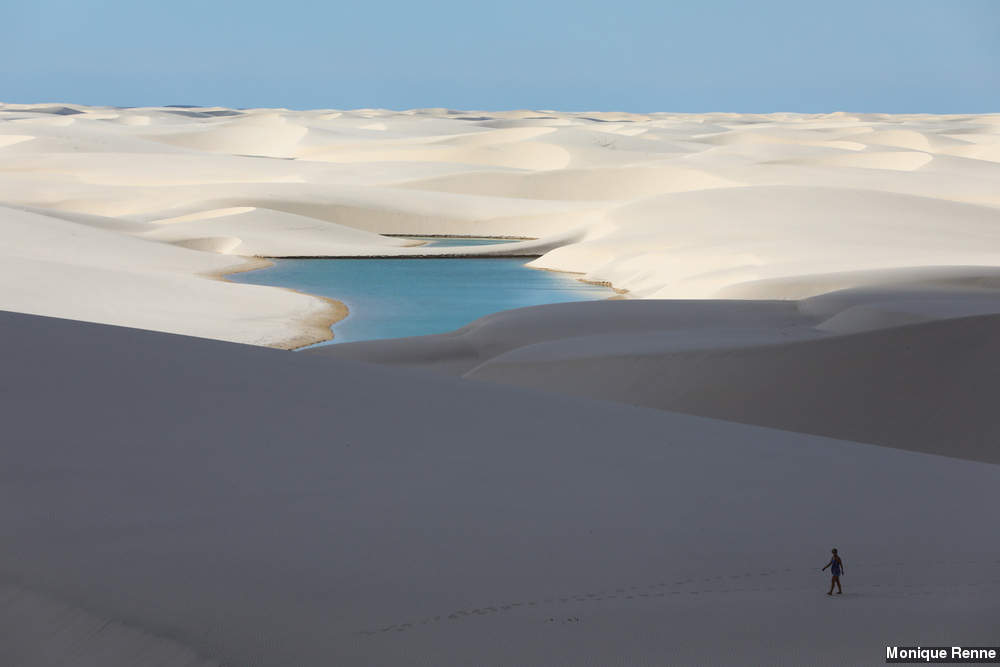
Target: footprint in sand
{"points": [[633, 594]]}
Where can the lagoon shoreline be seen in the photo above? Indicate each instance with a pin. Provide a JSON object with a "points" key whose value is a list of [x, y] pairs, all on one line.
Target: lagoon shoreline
{"points": [[316, 327], [424, 298], [813, 322]]}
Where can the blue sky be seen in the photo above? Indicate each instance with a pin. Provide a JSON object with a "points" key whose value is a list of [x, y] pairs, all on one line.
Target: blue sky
{"points": [[643, 55]]}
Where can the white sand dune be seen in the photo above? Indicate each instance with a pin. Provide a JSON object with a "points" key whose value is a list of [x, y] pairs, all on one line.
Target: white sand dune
{"points": [[622, 183], [264, 134], [908, 364], [262, 232], [77, 269], [662, 205], [11, 139], [923, 387], [686, 323], [343, 513], [696, 245], [174, 500]]}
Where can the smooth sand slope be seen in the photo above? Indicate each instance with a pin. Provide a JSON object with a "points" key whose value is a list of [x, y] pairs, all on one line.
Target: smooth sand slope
{"points": [[342, 513], [908, 365], [662, 205], [927, 387], [93, 272], [174, 500]]}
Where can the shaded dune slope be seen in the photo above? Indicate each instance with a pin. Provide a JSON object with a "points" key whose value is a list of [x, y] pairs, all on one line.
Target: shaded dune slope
{"points": [[808, 366], [926, 387], [197, 502]]}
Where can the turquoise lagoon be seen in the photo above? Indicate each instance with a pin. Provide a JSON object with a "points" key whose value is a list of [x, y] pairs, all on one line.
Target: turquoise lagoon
{"points": [[391, 298]]}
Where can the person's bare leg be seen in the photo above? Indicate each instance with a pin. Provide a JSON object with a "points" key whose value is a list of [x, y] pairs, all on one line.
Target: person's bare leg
{"points": [[832, 580], [840, 591]]}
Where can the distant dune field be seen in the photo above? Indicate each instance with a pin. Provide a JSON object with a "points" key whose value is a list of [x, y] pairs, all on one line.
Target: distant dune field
{"points": [[520, 491], [139, 206]]}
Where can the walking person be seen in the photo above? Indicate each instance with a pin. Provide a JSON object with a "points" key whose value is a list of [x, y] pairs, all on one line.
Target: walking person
{"points": [[836, 569]]}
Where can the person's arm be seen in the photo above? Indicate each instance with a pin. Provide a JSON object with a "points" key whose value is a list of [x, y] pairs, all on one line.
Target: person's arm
{"points": [[827, 565], [842, 570]]}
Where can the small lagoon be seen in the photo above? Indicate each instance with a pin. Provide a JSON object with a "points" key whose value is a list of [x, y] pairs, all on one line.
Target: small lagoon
{"points": [[390, 298]]}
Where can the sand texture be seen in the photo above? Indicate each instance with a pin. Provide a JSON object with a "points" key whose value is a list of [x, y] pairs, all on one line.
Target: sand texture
{"points": [[351, 514], [921, 383], [527, 489], [133, 205]]}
